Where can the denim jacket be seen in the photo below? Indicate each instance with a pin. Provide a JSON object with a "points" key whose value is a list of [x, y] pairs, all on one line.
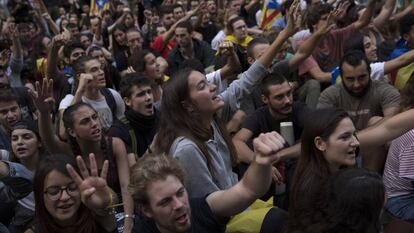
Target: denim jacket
{"points": [[17, 185]]}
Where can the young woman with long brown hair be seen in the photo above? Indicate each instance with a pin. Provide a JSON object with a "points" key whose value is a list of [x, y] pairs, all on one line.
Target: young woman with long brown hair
{"points": [[190, 129], [330, 142]]}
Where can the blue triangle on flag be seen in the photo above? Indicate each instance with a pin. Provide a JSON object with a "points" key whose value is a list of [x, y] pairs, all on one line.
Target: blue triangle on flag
{"points": [[101, 3], [273, 4]]}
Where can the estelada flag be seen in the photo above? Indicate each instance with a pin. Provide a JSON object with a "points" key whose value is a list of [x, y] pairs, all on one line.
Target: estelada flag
{"points": [[271, 11], [97, 6]]}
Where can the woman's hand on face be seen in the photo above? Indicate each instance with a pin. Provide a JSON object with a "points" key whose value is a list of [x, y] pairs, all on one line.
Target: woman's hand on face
{"points": [[95, 193], [42, 97], [266, 147]]}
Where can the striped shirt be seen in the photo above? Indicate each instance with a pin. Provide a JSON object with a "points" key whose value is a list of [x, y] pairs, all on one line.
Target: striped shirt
{"points": [[399, 167]]}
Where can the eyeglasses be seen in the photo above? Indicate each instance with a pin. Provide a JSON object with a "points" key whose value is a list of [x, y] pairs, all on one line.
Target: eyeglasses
{"points": [[54, 193]]}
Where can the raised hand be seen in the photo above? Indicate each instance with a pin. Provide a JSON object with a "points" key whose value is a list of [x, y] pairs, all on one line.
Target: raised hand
{"points": [[191, 13], [60, 39], [266, 147], [84, 80], [226, 48], [294, 17], [42, 97], [340, 11], [94, 191], [327, 25]]}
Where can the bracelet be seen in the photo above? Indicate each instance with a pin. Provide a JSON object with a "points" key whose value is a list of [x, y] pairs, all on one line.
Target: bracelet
{"points": [[129, 216], [111, 199]]}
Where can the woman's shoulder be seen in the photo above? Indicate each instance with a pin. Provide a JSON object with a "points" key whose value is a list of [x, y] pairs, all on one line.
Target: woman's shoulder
{"points": [[183, 146]]}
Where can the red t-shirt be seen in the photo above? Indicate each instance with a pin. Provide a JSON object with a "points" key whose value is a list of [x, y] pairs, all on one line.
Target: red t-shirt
{"points": [[158, 45]]}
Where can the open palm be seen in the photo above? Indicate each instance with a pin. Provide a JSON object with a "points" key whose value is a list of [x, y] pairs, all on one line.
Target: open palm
{"points": [[42, 97]]}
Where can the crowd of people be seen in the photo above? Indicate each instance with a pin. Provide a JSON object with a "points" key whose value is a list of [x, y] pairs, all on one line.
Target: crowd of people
{"points": [[176, 116]]}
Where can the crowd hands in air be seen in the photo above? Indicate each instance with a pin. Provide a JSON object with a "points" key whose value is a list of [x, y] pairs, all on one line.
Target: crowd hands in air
{"points": [[206, 116]]}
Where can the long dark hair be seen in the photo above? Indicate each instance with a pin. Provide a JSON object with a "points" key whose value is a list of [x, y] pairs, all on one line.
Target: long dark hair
{"points": [[117, 48], [176, 121], [355, 201], [45, 223], [69, 120], [312, 169]]}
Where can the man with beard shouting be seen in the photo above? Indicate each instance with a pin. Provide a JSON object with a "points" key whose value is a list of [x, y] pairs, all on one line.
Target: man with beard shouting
{"points": [[366, 101]]}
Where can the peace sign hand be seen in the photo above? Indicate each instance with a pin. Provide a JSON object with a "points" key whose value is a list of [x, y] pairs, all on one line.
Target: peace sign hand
{"points": [[95, 193]]}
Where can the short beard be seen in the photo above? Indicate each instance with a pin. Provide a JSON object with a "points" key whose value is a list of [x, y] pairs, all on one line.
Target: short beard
{"points": [[358, 95]]}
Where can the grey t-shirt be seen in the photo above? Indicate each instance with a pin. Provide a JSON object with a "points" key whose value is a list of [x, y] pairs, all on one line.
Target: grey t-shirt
{"points": [[380, 96], [200, 181]]}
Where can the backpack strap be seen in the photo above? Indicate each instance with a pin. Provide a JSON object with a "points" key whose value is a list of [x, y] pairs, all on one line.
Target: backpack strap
{"points": [[110, 100], [132, 135]]}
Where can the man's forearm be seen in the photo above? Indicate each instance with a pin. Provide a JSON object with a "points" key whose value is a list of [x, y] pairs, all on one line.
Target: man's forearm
{"points": [[52, 61], [366, 16], [304, 50], [17, 47], [290, 152], [233, 64]]}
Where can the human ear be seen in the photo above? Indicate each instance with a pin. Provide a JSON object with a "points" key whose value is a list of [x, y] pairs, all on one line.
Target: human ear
{"points": [[320, 144], [250, 60], [71, 132], [265, 99], [127, 101], [187, 106], [146, 211]]}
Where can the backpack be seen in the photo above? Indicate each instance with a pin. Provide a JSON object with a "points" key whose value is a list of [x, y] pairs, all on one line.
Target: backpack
{"points": [[110, 100], [132, 135]]}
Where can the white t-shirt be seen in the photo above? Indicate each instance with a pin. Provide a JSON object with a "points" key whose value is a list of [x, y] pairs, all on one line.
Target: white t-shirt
{"points": [[215, 78], [215, 43], [104, 112], [377, 71]]}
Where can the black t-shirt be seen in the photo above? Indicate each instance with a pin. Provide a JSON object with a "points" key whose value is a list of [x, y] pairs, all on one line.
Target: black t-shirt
{"points": [[261, 121], [121, 60], [202, 220], [208, 32]]}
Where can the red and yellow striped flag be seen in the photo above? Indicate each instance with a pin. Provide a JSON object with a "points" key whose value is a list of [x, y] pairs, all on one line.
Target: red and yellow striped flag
{"points": [[271, 11]]}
